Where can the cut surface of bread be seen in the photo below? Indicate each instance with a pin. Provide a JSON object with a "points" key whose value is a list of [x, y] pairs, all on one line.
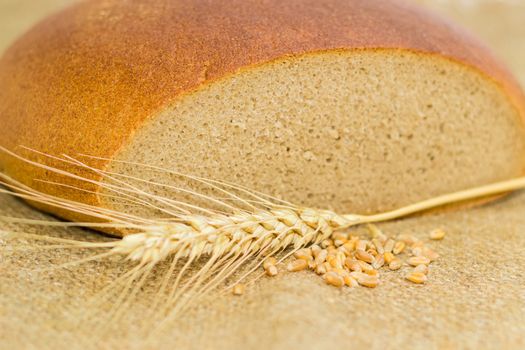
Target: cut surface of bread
{"points": [[355, 131], [358, 106]]}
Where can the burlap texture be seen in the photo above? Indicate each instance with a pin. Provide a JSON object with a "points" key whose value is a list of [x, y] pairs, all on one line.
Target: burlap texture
{"points": [[475, 297]]}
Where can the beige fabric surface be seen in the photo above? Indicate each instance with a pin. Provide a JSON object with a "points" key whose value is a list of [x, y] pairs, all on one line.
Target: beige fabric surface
{"points": [[475, 297]]}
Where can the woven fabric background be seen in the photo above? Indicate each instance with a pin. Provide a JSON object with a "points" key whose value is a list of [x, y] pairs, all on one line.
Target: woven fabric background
{"points": [[475, 297]]}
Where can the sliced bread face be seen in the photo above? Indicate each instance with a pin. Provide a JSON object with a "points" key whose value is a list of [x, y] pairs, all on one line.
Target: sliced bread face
{"points": [[357, 131]]}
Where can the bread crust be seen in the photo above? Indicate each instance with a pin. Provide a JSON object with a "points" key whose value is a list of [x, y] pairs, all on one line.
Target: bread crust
{"points": [[85, 79]]}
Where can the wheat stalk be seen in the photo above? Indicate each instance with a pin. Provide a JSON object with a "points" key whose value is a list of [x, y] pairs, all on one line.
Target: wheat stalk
{"points": [[296, 227]]}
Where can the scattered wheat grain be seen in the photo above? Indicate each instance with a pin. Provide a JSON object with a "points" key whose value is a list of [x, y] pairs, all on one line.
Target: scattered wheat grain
{"points": [[360, 245], [353, 265], [379, 246], [418, 260], [349, 247], [357, 275], [372, 252], [378, 262], [320, 269], [389, 245], [364, 256], [333, 279], [399, 246], [395, 265], [271, 271], [388, 256], [349, 280], [326, 243], [368, 281], [340, 236], [271, 261], [315, 250], [304, 254], [321, 256], [297, 265], [437, 235], [339, 242], [367, 268], [416, 277], [311, 264], [239, 289]]}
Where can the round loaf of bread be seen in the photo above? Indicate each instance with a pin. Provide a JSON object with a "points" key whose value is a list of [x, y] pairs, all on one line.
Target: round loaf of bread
{"points": [[358, 105]]}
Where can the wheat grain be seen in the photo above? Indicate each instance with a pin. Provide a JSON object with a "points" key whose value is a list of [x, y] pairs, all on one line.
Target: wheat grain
{"points": [[368, 281], [269, 266], [418, 260], [372, 252], [271, 271], [356, 275], [399, 247], [364, 256], [395, 265], [326, 243], [321, 256], [437, 234], [352, 265], [388, 257], [311, 264], [316, 249], [297, 265], [389, 245], [350, 281], [332, 278], [336, 261], [320, 269], [378, 245], [349, 247], [304, 254], [271, 261], [416, 277], [378, 262], [366, 267], [361, 245], [327, 267], [239, 289]]}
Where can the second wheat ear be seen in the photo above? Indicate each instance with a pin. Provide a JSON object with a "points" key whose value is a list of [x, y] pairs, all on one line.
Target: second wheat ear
{"points": [[224, 243]]}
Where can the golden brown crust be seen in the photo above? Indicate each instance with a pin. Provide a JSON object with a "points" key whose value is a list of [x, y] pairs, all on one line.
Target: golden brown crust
{"points": [[84, 80]]}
